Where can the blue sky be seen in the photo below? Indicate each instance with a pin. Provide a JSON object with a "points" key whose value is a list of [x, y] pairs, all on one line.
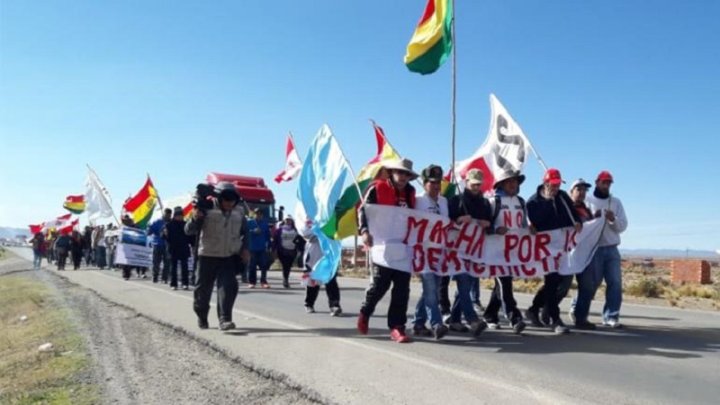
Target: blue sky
{"points": [[178, 89]]}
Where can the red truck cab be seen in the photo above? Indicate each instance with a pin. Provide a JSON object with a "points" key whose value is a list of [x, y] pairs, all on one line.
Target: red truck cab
{"points": [[253, 191]]}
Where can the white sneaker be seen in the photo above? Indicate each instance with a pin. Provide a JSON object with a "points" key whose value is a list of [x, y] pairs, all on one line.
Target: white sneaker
{"points": [[613, 323], [571, 315]]}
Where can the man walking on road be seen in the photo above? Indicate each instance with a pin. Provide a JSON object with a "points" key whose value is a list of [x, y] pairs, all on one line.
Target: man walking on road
{"points": [[259, 245], [178, 243], [160, 254], [550, 208], [222, 234], [394, 191], [606, 261]]}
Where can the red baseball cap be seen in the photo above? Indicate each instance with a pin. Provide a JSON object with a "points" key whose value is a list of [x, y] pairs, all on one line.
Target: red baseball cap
{"points": [[553, 177], [605, 175]]}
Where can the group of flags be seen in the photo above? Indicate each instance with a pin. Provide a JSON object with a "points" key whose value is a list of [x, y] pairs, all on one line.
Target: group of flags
{"points": [[96, 203], [332, 206]]}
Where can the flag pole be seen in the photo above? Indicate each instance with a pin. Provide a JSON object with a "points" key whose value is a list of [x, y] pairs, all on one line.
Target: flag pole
{"points": [[454, 91], [95, 179], [537, 156]]}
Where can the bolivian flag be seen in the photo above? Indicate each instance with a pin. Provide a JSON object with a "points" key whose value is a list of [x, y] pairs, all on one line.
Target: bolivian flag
{"points": [[344, 222], [75, 204], [432, 41], [140, 207]]}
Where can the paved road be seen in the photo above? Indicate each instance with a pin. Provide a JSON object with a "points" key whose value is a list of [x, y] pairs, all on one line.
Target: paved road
{"points": [[665, 355]]}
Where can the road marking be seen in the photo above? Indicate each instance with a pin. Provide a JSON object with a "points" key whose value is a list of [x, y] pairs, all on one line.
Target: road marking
{"points": [[538, 394]]}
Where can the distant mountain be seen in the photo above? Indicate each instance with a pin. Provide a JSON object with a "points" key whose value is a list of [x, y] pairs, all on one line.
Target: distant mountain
{"points": [[9, 233], [666, 253]]}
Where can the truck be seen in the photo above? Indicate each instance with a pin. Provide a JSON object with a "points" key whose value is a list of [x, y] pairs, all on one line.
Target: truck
{"points": [[252, 190]]}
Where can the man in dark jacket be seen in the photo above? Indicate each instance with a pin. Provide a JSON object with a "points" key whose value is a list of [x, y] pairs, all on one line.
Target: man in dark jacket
{"points": [[178, 243], [394, 191], [62, 249], [465, 208], [160, 253], [550, 208]]}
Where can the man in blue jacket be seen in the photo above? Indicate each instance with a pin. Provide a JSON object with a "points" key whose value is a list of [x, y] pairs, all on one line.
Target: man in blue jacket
{"points": [[259, 234], [160, 254]]}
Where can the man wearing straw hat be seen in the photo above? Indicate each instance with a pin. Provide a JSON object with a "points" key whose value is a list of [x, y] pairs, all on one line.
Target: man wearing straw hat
{"points": [[395, 191]]}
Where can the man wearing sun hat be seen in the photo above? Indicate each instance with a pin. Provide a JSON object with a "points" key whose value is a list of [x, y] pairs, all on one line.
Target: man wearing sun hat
{"points": [[394, 191], [606, 261], [509, 212], [550, 208]]}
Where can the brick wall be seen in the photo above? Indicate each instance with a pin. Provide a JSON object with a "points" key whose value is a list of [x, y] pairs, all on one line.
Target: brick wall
{"points": [[690, 271]]}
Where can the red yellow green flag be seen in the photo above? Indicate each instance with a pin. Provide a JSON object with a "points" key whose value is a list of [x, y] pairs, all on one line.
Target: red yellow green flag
{"points": [[140, 207], [75, 204], [432, 40], [344, 222]]}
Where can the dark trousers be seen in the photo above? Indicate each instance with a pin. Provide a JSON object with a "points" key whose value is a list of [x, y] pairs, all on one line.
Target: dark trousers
{"points": [[126, 270], [286, 260], [174, 271], [160, 255], [547, 297], [212, 270], [257, 259], [61, 259], [444, 295], [331, 289], [502, 296], [383, 277], [77, 259]]}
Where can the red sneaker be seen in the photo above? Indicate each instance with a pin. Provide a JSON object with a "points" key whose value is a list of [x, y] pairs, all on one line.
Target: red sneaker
{"points": [[398, 335], [363, 324]]}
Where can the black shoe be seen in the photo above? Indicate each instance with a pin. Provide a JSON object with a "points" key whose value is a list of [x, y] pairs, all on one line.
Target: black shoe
{"points": [[545, 318], [585, 325], [335, 311], [155, 280], [422, 331], [203, 323], [440, 331], [518, 327], [532, 315], [226, 325], [286, 284], [185, 287], [492, 324]]}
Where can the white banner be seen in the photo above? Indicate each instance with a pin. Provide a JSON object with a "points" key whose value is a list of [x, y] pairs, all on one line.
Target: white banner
{"points": [[133, 249], [414, 241]]}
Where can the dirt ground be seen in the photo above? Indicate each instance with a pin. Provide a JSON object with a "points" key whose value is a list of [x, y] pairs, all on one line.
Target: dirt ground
{"points": [[138, 361]]}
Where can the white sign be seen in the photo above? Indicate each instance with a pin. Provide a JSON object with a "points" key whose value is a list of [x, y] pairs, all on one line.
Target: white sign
{"points": [[415, 241]]}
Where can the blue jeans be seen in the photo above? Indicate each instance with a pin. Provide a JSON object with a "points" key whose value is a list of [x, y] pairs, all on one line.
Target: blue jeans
{"points": [[475, 290], [428, 304], [37, 259], [463, 304], [257, 259], [605, 265]]}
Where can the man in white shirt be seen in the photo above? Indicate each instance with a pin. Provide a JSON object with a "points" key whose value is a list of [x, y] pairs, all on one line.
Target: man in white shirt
{"points": [[606, 261]]}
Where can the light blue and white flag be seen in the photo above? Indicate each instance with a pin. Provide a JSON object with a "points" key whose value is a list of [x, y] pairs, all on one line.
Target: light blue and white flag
{"points": [[320, 185]]}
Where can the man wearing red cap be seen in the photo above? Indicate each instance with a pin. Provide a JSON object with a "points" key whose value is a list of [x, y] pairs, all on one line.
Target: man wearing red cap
{"points": [[550, 208], [606, 261]]}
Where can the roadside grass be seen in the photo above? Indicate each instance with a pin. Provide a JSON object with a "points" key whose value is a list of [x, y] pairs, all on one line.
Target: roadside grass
{"points": [[28, 376], [3, 253]]}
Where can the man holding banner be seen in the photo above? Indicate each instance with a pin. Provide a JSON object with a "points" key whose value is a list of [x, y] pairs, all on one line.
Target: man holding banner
{"points": [[551, 208], [395, 191], [470, 207]]}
